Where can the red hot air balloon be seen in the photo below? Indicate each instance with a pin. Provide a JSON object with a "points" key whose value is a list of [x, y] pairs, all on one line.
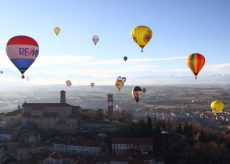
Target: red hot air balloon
{"points": [[195, 62], [22, 51]]}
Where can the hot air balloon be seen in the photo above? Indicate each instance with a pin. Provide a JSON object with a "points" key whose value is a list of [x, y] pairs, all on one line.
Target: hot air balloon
{"points": [[95, 39], [144, 90], [141, 35], [195, 62], [22, 51], [125, 58], [57, 30], [119, 78], [119, 84], [123, 79], [92, 84], [68, 83], [136, 93], [1, 72], [217, 106]]}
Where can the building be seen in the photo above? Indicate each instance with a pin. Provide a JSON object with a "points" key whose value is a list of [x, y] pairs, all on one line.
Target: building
{"points": [[122, 145], [13, 118], [51, 116], [110, 103], [77, 147]]}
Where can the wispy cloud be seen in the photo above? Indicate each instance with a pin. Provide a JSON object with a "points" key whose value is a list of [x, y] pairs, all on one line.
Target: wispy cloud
{"points": [[218, 68]]}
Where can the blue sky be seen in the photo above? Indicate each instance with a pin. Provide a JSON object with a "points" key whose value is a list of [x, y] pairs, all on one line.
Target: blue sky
{"points": [[179, 28]]}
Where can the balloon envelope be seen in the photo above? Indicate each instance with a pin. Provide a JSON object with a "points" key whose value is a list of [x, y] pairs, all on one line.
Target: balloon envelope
{"points": [[68, 83], [22, 51], [119, 84], [125, 58], [119, 78], [195, 62], [57, 30], [136, 93], [92, 84], [141, 35], [95, 39], [124, 79], [144, 90], [217, 106]]}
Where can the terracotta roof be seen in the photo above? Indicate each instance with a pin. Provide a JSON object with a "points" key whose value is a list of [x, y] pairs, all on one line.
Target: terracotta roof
{"points": [[13, 113], [46, 105], [135, 141], [77, 142]]}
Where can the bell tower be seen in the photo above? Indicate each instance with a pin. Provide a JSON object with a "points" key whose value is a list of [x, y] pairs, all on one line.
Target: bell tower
{"points": [[110, 103], [62, 96]]}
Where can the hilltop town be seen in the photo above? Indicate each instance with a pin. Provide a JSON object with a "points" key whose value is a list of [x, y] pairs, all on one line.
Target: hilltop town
{"points": [[64, 133]]}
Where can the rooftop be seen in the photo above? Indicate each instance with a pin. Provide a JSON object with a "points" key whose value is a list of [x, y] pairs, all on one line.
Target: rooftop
{"points": [[136, 141], [46, 105]]}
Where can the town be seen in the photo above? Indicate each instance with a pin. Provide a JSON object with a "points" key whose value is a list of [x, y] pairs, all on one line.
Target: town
{"points": [[160, 128]]}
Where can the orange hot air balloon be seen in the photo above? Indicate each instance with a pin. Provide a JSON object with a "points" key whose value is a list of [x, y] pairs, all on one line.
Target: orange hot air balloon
{"points": [[195, 62]]}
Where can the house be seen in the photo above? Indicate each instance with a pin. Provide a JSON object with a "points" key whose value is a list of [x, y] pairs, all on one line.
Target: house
{"points": [[122, 145], [77, 146]]}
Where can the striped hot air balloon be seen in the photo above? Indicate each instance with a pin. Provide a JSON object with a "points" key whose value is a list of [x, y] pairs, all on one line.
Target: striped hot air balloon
{"points": [[195, 62], [22, 51], [119, 84]]}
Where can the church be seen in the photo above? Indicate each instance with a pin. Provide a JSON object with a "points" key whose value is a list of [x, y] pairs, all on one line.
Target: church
{"points": [[51, 116]]}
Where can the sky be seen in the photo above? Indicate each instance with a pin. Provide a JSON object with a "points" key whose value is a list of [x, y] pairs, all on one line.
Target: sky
{"points": [[179, 28]]}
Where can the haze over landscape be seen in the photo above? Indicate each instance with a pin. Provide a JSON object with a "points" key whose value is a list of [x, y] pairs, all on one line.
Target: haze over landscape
{"points": [[90, 95]]}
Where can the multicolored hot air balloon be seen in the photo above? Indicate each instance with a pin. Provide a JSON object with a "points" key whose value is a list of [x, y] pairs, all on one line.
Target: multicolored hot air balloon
{"points": [[22, 51], [95, 39], [217, 106], [195, 62], [92, 84], [125, 58], [141, 36], [136, 93], [57, 30], [68, 83], [119, 84]]}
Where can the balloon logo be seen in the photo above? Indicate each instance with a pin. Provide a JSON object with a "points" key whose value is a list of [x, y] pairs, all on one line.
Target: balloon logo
{"points": [[141, 36], [22, 51], [125, 58], [195, 62], [95, 39], [217, 106], [136, 93], [57, 30]]}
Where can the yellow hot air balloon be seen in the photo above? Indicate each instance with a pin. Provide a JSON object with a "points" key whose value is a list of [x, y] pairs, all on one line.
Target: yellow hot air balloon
{"points": [[119, 84], [57, 30], [217, 106], [141, 35]]}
